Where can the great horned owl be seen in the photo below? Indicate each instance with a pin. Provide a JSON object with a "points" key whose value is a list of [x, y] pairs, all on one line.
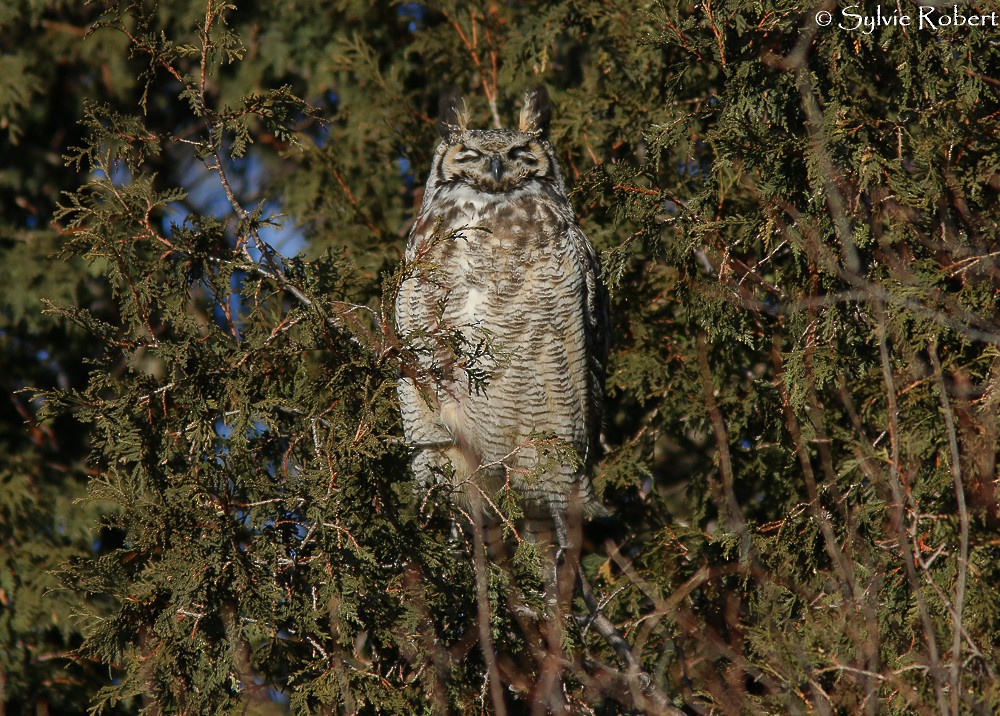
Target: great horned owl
{"points": [[501, 269]]}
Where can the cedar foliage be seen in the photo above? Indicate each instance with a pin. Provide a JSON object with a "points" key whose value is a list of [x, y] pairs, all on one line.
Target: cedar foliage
{"points": [[210, 509]]}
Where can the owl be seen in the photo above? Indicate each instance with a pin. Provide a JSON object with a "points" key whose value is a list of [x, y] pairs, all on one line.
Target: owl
{"points": [[504, 312]]}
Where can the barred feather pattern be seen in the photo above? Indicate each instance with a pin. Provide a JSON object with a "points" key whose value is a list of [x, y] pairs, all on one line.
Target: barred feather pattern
{"points": [[507, 319]]}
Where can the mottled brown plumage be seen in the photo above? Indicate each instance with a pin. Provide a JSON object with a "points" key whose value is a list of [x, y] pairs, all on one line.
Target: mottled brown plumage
{"points": [[499, 260]]}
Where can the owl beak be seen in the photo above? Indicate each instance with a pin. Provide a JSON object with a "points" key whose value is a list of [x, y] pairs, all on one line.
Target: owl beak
{"points": [[496, 168]]}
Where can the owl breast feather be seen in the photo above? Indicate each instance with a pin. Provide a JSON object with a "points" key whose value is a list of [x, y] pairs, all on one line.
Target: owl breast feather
{"points": [[510, 270]]}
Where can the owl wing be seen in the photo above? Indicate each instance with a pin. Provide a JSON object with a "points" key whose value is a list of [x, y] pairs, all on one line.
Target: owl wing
{"points": [[418, 399], [595, 312]]}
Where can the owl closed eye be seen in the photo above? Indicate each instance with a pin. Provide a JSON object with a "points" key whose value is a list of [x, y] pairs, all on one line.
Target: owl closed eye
{"points": [[497, 160]]}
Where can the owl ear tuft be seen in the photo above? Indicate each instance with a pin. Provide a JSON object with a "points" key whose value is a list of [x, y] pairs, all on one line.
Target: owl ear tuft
{"points": [[453, 114], [536, 112]]}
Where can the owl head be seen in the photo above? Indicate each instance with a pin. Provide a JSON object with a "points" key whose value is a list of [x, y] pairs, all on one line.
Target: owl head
{"points": [[496, 160]]}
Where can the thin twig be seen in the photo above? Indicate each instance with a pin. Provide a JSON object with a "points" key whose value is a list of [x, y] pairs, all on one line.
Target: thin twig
{"points": [[609, 632], [830, 542], [899, 498], [732, 514], [963, 522], [472, 47], [479, 562]]}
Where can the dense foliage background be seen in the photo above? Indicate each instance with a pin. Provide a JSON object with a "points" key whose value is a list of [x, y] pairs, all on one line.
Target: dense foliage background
{"points": [[205, 505]]}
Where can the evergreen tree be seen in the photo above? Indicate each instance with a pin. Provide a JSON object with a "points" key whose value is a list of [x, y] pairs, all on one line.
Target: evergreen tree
{"points": [[206, 505]]}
